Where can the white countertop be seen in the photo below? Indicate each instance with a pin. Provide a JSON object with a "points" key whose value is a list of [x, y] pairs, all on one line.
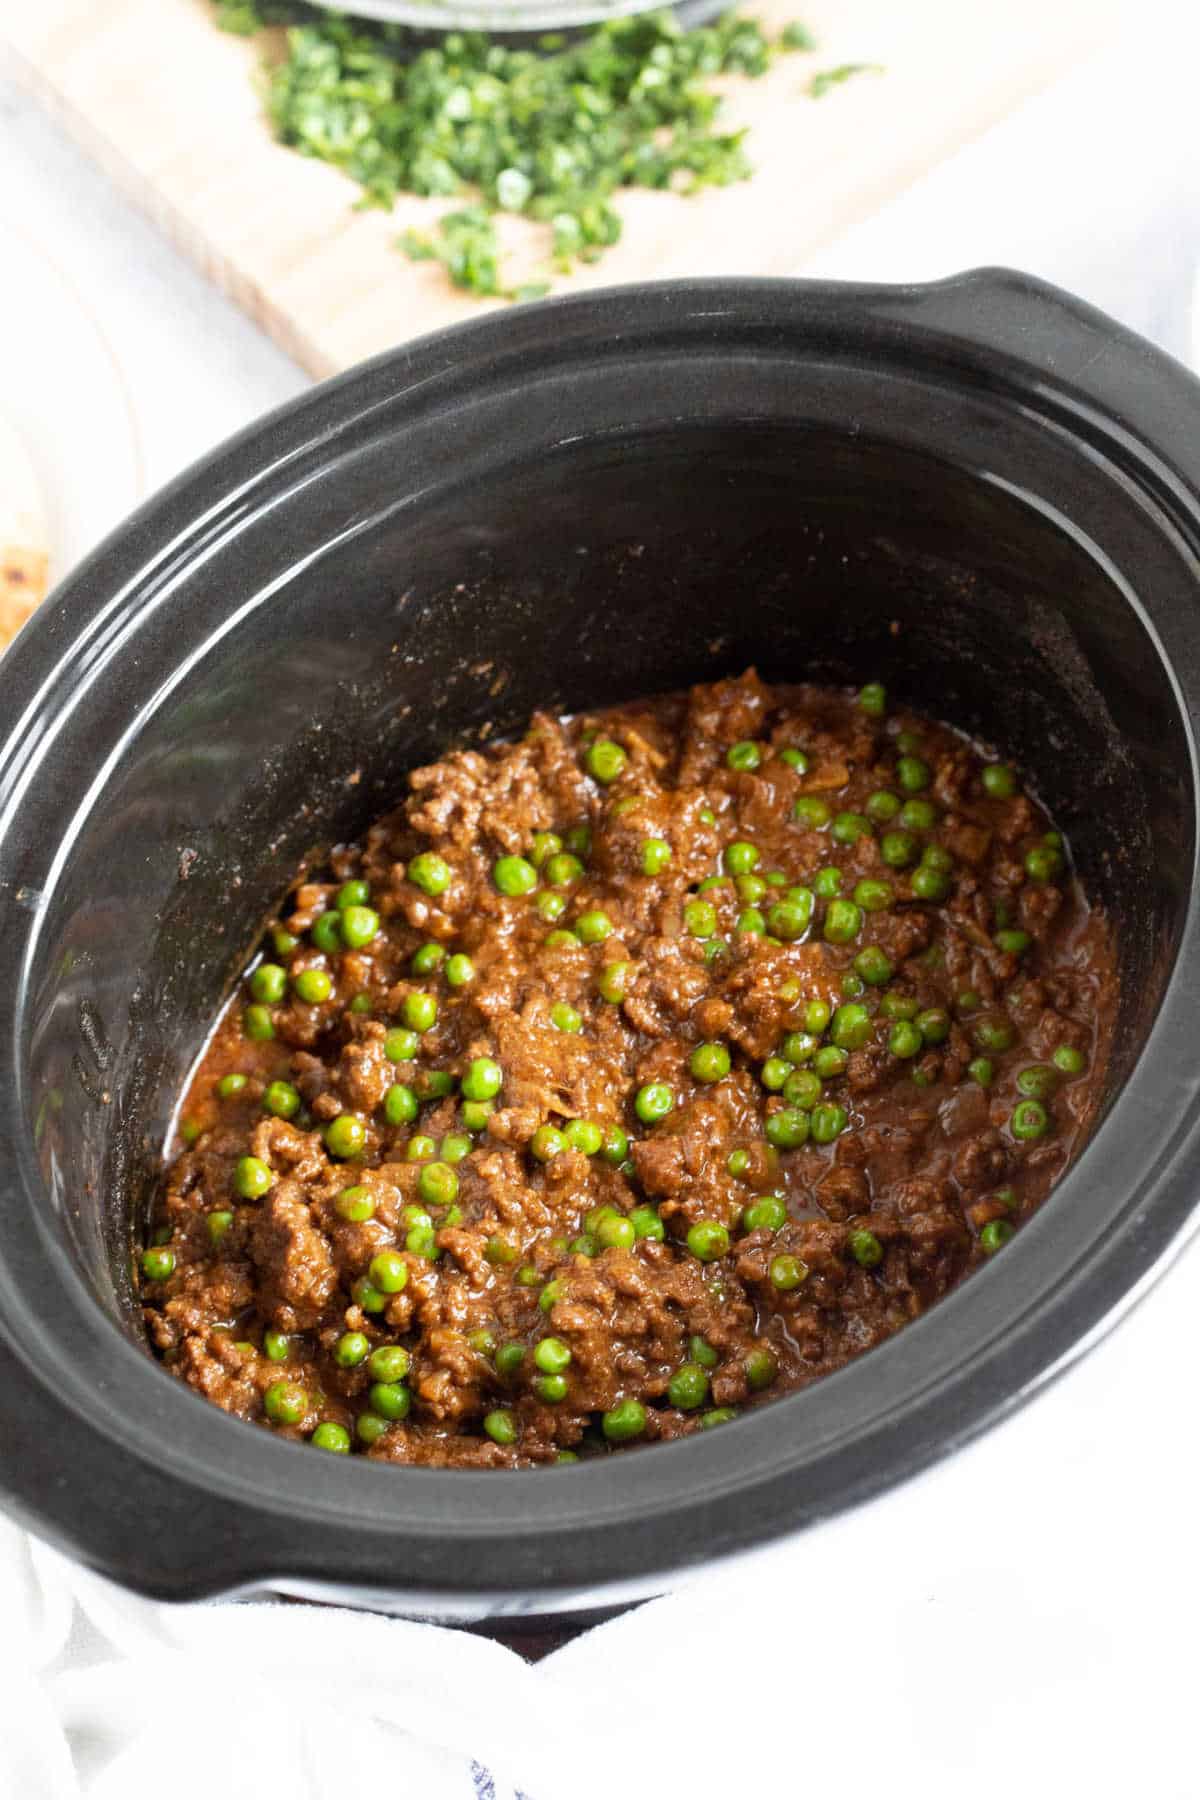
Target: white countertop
{"points": [[1052, 1640]]}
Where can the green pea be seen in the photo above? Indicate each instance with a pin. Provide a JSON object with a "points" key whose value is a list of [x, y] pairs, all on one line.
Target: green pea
{"points": [[994, 1035], [995, 1235], [767, 1213], [544, 845], [430, 872], [352, 893], [788, 1129], [743, 756], [509, 1358], [400, 1044], [795, 759], [813, 813], [593, 927], [848, 827], [851, 1026], [787, 1272], [345, 1136], [647, 1224], [872, 699], [688, 1387], [230, 1085], [584, 1245], [359, 925], [370, 1427], [352, 1348], [282, 1100], [326, 932], [699, 918], [552, 1356], [252, 1178], [158, 1264], [930, 884], [830, 1061], [918, 815], [872, 965], [653, 1102], [390, 1400], [514, 876], [905, 1040], [761, 1368], [981, 1071], [420, 1011], [774, 1073], [550, 1388], [1039, 1082], [933, 1024], [898, 849], [437, 1184], [615, 1232], [604, 761], [218, 1224], [585, 1136], [802, 1089], [719, 1415], [999, 781], [313, 986], [656, 856], [873, 896], [331, 1436], [269, 983], [843, 922], [276, 1345], [625, 1420], [562, 870], [899, 1006], [388, 1271], [737, 1162], [616, 1145], [283, 942], [790, 918], [565, 1018], [709, 1062], [1043, 863], [740, 858], [751, 888], [551, 906], [1069, 1060], [547, 1143], [579, 840], [827, 884], [426, 959], [882, 806], [828, 1123], [817, 1015], [285, 1403], [368, 1296], [612, 982], [476, 1113], [483, 1079], [912, 774], [799, 1046], [257, 1024], [355, 1204], [853, 986], [1013, 943], [419, 1149], [712, 883], [702, 1352], [865, 1248], [708, 1239], [1029, 1120], [498, 1250]]}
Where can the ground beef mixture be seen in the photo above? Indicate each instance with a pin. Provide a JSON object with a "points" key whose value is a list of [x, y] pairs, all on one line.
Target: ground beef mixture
{"points": [[626, 1075]]}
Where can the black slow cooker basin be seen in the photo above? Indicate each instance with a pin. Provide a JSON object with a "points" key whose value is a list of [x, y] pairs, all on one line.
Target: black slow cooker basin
{"points": [[980, 492]]}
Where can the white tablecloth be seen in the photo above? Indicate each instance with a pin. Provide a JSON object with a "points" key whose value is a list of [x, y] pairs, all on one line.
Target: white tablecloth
{"points": [[1020, 1618]]}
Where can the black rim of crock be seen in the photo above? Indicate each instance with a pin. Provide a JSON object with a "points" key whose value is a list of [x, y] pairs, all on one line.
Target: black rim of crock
{"points": [[123, 1465]]}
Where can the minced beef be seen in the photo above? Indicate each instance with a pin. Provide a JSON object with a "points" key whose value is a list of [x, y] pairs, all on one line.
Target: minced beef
{"points": [[628, 1075]]}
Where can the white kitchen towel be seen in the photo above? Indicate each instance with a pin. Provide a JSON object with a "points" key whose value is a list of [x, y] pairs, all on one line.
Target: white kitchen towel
{"points": [[1023, 1616]]}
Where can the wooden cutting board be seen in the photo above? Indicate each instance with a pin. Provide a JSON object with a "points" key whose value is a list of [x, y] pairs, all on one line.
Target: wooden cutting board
{"points": [[170, 106]]}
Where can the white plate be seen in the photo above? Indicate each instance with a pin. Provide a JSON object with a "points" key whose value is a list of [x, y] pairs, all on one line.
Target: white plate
{"points": [[62, 391]]}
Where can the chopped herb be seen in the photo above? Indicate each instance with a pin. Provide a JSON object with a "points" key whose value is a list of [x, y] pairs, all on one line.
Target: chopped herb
{"points": [[826, 79], [551, 134]]}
